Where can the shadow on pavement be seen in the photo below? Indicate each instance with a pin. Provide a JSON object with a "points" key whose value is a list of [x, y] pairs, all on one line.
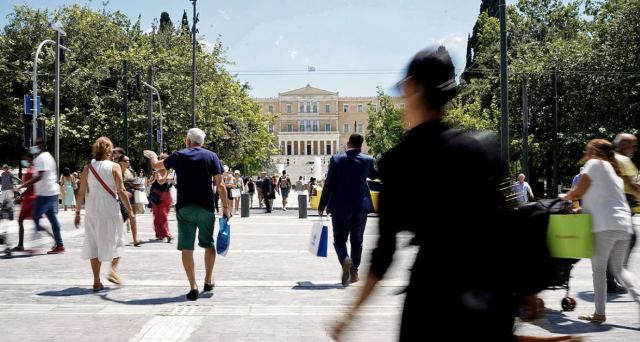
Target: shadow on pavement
{"points": [[72, 291], [155, 301], [558, 323], [307, 285], [588, 296]]}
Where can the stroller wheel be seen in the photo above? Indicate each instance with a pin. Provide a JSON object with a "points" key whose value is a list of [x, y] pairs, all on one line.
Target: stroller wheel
{"points": [[568, 303]]}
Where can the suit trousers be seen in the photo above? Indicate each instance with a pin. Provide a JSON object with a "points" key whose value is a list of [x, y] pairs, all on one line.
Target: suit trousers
{"points": [[349, 226]]}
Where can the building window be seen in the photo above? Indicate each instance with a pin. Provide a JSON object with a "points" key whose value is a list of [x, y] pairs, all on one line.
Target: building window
{"points": [[289, 128], [315, 107], [301, 125], [327, 127], [308, 123], [270, 108], [327, 108], [345, 108], [301, 107], [360, 128], [270, 128], [316, 123], [345, 128], [289, 108], [360, 108]]}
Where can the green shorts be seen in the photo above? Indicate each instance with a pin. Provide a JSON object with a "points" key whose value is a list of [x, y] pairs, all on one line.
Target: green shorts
{"points": [[190, 218]]}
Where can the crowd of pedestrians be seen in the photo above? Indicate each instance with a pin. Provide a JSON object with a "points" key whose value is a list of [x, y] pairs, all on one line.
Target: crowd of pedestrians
{"points": [[194, 182]]}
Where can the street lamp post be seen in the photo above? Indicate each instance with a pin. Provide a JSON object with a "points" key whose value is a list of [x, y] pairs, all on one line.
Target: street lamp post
{"points": [[161, 140], [193, 66], [59, 33], [35, 90]]}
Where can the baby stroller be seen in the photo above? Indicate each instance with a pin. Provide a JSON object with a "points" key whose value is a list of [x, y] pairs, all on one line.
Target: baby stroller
{"points": [[546, 272], [6, 214], [560, 281]]}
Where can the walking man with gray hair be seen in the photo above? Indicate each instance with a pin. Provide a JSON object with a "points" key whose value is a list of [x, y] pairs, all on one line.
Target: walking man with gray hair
{"points": [[195, 166]]}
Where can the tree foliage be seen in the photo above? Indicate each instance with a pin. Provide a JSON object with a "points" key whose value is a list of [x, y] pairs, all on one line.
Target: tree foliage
{"points": [[93, 83], [595, 48], [385, 128]]}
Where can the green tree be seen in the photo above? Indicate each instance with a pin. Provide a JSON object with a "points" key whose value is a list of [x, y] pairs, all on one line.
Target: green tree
{"points": [[385, 128]]}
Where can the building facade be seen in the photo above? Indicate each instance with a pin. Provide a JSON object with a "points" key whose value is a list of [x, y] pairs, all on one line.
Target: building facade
{"points": [[314, 122]]}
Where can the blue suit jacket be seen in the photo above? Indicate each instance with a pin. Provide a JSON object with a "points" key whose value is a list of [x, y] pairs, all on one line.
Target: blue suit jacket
{"points": [[345, 189]]}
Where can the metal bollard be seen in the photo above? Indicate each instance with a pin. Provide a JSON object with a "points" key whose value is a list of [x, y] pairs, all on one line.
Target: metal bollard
{"points": [[244, 205], [302, 206]]}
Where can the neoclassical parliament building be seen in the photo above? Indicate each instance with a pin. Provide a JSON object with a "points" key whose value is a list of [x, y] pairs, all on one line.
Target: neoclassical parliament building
{"points": [[316, 123]]}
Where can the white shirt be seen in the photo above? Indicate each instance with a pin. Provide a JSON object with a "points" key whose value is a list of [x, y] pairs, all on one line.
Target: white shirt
{"points": [[48, 183], [605, 199]]}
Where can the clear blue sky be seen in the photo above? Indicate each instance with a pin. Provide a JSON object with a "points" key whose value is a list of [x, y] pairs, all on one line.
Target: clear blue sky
{"points": [[272, 43]]}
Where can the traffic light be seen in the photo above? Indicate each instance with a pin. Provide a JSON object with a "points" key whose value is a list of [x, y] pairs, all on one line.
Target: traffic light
{"points": [[62, 52], [138, 85]]}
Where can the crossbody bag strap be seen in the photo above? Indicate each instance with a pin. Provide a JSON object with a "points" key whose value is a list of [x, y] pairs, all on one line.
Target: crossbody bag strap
{"points": [[104, 185]]}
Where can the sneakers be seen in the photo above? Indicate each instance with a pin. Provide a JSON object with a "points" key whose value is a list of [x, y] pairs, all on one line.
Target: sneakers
{"points": [[354, 277], [284, 209], [616, 288], [346, 271], [193, 294], [56, 250]]}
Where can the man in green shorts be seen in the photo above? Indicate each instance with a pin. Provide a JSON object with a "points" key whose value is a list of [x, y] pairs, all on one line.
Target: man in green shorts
{"points": [[195, 166]]}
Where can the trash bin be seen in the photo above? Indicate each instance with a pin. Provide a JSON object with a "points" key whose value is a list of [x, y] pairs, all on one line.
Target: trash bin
{"points": [[245, 204], [302, 205]]}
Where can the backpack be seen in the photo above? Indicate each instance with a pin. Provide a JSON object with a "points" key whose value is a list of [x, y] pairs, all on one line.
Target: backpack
{"points": [[532, 269], [284, 182]]}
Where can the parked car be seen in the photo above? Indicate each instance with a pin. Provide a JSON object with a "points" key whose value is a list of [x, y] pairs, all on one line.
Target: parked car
{"points": [[374, 190]]}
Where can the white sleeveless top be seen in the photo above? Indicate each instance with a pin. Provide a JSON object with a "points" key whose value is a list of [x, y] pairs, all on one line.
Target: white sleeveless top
{"points": [[99, 202]]}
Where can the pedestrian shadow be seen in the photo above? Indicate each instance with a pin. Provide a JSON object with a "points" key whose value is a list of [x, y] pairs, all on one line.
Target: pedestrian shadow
{"points": [[307, 285], [72, 291], [556, 322], [155, 301], [588, 296]]}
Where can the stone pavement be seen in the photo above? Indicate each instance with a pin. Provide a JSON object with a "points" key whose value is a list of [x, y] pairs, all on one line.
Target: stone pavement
{"points": [[268, 288]]}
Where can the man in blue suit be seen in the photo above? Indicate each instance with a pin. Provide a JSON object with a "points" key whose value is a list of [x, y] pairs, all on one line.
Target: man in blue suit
{"points": [[346, 196]]}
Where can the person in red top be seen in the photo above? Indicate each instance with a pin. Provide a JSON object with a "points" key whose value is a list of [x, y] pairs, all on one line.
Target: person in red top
{"points": [[28, 198]]}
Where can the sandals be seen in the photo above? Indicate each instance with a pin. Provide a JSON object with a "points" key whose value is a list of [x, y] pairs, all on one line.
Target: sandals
{"points": [[114, 278], [595, 318]]}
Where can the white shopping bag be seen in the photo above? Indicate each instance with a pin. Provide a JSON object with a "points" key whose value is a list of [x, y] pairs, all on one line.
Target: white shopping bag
{"points": [[319, 239]]}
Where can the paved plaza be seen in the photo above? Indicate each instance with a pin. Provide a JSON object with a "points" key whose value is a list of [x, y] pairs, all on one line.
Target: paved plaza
{"points": [[268, 288]]}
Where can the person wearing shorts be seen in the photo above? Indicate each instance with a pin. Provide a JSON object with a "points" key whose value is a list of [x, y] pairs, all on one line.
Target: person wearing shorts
{"points": [[195, 166]]}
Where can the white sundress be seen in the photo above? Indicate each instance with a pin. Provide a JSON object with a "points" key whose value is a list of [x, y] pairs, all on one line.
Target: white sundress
{"points": [[103, 227]]}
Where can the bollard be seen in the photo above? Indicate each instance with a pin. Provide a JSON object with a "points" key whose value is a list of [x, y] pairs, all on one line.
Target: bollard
{"points": [[302, 206], [245, 203]]}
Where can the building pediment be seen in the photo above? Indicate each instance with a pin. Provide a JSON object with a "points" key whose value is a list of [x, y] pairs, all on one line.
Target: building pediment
{"points": [[308, 90]]}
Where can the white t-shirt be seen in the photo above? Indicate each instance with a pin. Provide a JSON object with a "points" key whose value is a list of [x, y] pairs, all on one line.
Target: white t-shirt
{"points": [[48, 184], [605, 199]]}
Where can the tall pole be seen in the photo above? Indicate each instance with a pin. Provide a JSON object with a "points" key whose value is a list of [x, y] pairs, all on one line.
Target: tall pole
{"points": [[57, 102], [193, 67], [34, 135], [525, 128], [554, 114], [504, 94], [125, 107], [150, 112]]}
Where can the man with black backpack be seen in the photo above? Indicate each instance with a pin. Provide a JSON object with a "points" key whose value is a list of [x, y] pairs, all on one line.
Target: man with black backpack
{"points": [[284, 186]]}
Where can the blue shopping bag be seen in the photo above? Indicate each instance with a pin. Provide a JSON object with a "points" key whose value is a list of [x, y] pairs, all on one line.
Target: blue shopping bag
{"points": [[319, 239], [224, 236]]}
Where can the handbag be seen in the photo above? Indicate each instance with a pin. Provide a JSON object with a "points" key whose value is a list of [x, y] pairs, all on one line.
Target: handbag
{"points": [[570, 236], [123, 210], [224, 237], [319, 239]]}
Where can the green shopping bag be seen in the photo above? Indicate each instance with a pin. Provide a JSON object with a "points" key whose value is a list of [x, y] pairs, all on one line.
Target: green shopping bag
{"points": [[570, 236]]}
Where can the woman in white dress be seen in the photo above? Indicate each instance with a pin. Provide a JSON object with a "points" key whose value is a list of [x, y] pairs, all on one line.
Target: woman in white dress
{"points": [[104, 232]]}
